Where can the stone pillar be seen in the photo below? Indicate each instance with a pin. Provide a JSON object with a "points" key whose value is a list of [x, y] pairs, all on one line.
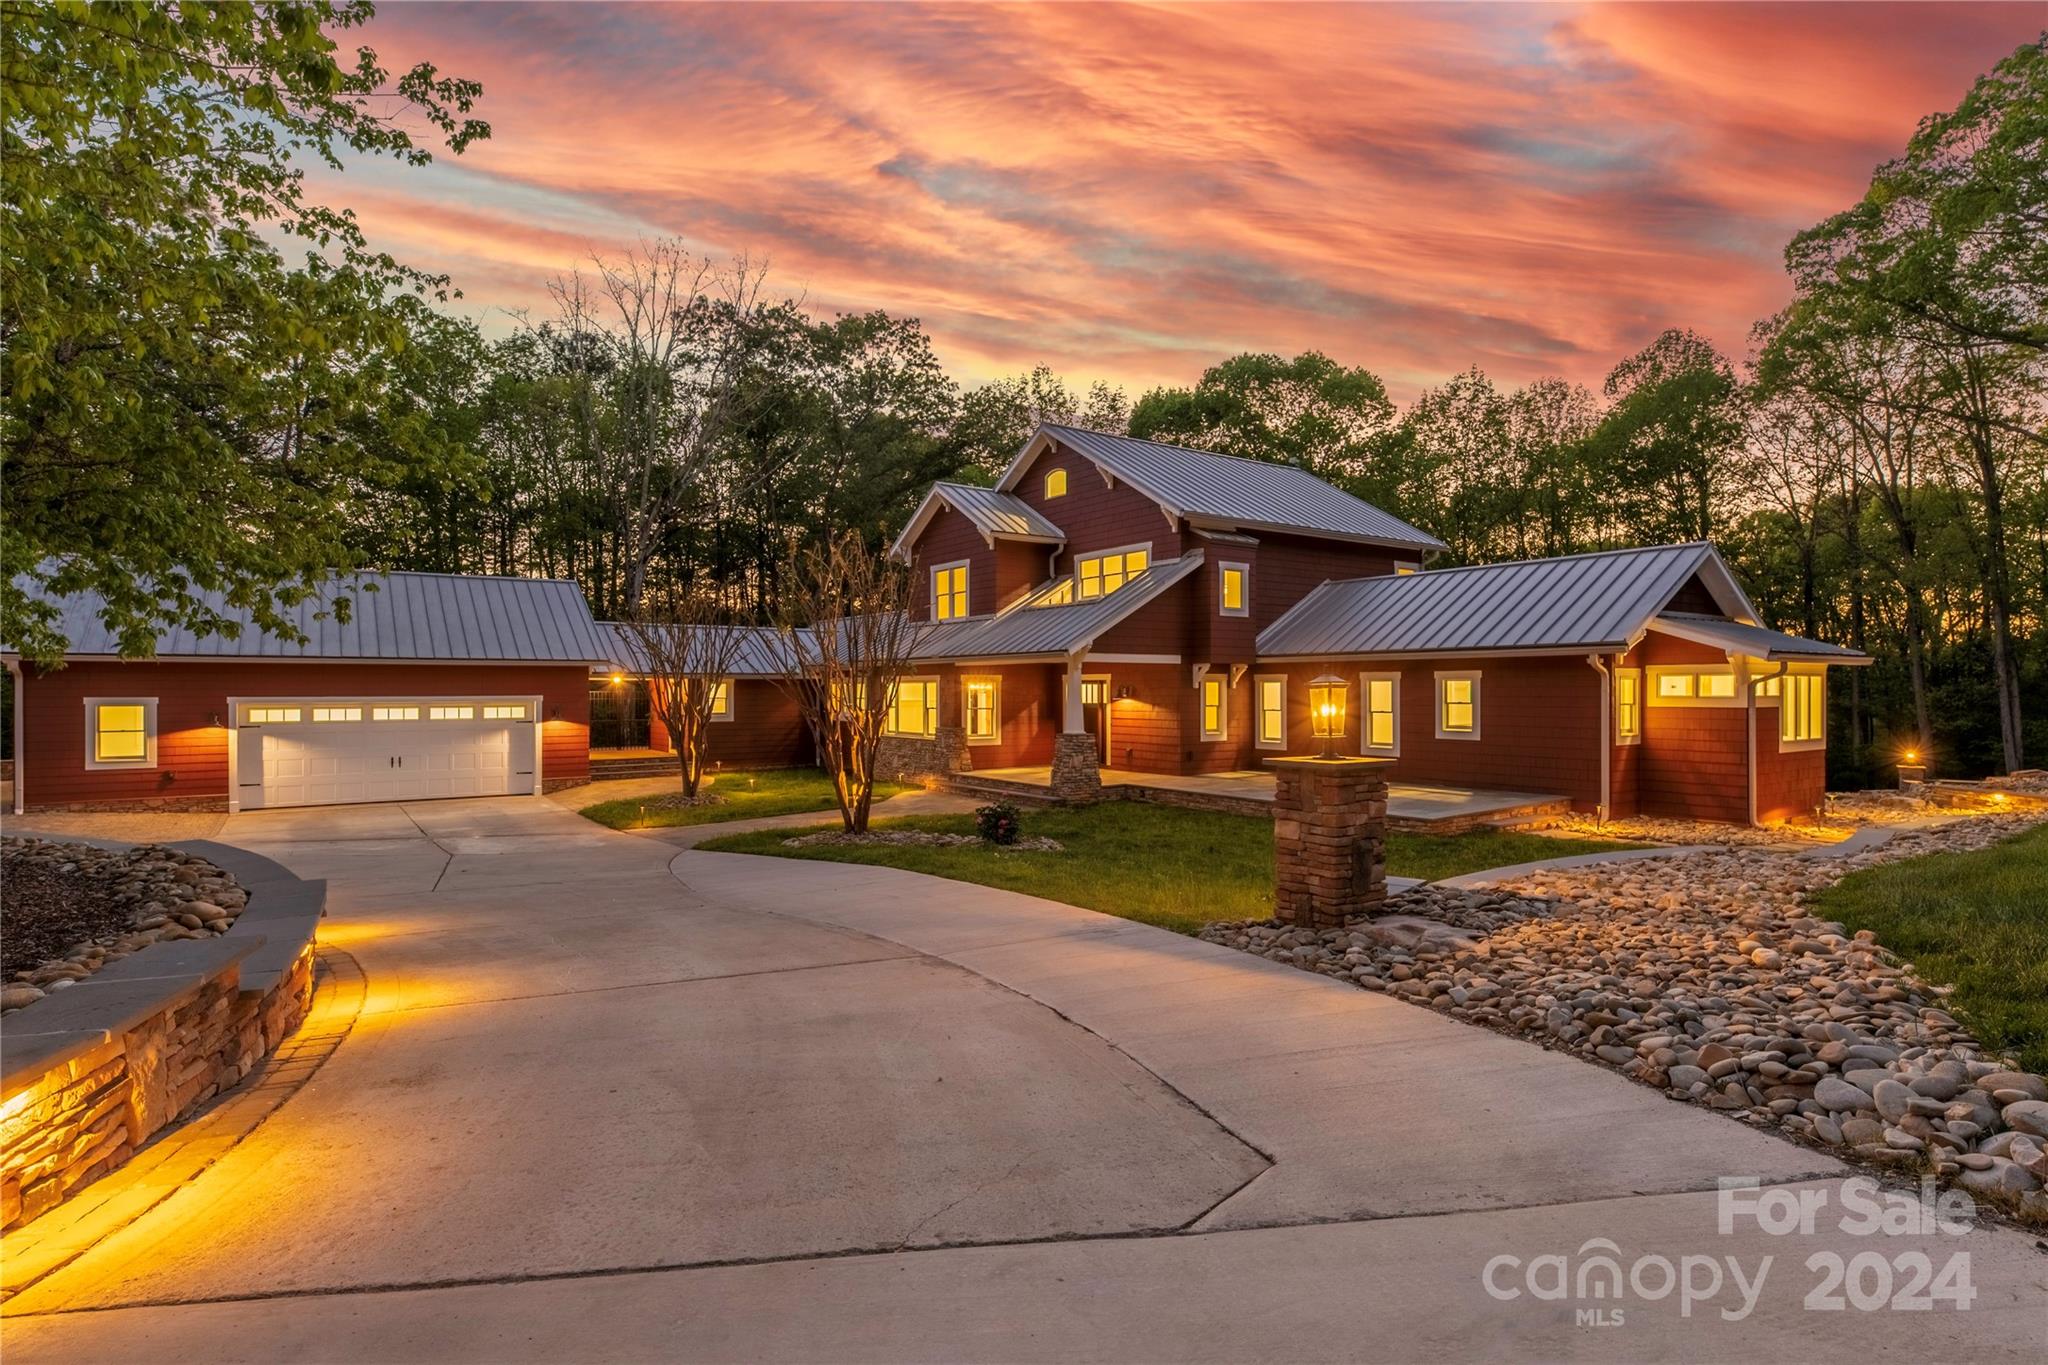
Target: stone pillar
{"points": [[1912, 777], [1329, 839], [1076, 777]]}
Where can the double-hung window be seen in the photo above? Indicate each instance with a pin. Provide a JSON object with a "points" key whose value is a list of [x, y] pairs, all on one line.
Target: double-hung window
{"points": [[120, 732], [1380, 724], [1803, 710], [1215, 707], [980, 708], [1628, 705], [949, 591], [1457, 705], [1102, 574], [914, 708], [1272, 708]]}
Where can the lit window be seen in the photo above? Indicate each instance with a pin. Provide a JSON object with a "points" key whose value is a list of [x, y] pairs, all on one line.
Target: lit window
{"points": [[1060, 594], [1101, 575], [1803, 708], [1272, 713], [1094, 692], [721, 699], [1056, 484], [1457, 706], [914, 708], [949, 592], [1232, 587], [496, 711], [270, 715], [1382, 693], [1717, 684], [1677, 684], [323, 715], [1628, 704], [394, 713], [979, 705], [1402, 570], [1699, 683], [1215, 707], [123, 733], [451, 713]]}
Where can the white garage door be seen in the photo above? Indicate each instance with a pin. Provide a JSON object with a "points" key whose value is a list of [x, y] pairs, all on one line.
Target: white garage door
{"points": [[336, 751]]}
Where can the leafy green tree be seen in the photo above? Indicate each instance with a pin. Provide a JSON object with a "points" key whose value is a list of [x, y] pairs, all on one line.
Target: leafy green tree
{"points": [[1309, 411], [996, 418], [1661, 452], [183, 403]]}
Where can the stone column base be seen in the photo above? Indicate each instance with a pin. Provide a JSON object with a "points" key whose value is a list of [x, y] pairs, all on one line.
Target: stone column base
{"points": [[1076, 777], [1329, 840]]}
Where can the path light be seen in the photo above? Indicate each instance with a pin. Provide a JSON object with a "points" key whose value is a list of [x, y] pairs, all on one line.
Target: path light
{"points": [[1326, 711]]}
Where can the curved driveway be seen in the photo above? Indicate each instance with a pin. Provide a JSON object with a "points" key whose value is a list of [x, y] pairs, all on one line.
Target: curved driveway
{"points": [[611, 1100]]}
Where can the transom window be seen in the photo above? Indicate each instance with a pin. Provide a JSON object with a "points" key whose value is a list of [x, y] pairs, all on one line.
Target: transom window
{"points": [[1381, 725], [271, 715], [1056, 484], [1101, 575], [1628, 704], [1402, 570], [949, 592], [913, 708], [394, 713], [978, 706], [1232, 587], [324, 715], [1803, 709], [1682, 683], [1457, 706], [122, 733], [497, 711], [1272, 729], [1215, 707], [451, 713]]}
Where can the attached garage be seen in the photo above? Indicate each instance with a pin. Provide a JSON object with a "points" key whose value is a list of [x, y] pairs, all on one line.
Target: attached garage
{"points": [[436, 686]]}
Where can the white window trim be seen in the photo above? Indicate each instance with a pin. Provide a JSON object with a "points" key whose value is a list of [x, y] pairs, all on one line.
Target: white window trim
{"points": [[1478, 697], [1259, 739], [1637, 674], [1403, 567], [889, 721], [1222, 577], [995, 682], [732, 698], [968, 609], [1365, 745], [1820, 741], [1066, 483], [1222, 730], [92, 709], [1654, 673], [1105, 553]]}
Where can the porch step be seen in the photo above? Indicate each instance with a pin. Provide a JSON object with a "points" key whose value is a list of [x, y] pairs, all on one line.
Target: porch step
{"points": [[611, 769], [997, 789], [1533, 815]]}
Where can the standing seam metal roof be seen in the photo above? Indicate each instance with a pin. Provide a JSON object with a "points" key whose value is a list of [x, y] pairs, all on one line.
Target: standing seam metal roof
{"points": [[758, 652], [394, 616], [1757, 642], [1226, 488], [993, 512], [1026, 628], [1593, 601]]}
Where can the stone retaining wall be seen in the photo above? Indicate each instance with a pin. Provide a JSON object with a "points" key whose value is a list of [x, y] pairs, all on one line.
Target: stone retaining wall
{"points": [[89, 1074], [900, 758]]}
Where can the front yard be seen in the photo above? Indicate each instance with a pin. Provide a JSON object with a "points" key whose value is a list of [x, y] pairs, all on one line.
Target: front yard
{"points": [[738, 796], [1178, 869]]}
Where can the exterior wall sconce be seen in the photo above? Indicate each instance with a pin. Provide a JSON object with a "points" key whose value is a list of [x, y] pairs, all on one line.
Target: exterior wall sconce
{"points": [[617, 679], [554, 713], [1326, 697], [1123, 694], [214, 720]]}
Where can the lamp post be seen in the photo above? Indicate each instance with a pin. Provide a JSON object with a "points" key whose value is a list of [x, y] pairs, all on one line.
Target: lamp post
{"points": [[1326, 711]]}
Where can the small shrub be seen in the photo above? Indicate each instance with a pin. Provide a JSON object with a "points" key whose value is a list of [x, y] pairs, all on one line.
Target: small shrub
{"points": [[999, 823]]}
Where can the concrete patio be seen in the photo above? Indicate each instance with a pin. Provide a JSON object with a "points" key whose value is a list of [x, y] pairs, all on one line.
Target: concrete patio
{"points": [[1411, 805]]}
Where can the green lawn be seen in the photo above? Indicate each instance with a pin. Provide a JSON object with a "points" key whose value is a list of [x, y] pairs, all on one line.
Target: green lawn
{"points": [[772, 791], [1179, 869], [1976, 921]]}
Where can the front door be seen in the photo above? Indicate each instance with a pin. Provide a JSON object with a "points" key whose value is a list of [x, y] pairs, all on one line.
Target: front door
{"points": [[1095, 715]]}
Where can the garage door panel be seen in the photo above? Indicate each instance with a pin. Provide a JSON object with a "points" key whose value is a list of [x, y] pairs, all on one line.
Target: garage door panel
{"points": [[332, 763]]}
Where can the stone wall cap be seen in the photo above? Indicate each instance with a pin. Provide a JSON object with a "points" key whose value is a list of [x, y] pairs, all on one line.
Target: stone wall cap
{"points": [[26, 1058], [1341, 763]]}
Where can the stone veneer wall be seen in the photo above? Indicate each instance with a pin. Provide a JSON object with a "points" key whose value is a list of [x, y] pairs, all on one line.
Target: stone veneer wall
{"points": [[901, 758], [1329, 841], [91, 1073]]}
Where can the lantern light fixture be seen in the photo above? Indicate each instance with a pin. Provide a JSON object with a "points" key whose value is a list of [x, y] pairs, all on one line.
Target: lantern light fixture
{"points": [[1326, 697]]}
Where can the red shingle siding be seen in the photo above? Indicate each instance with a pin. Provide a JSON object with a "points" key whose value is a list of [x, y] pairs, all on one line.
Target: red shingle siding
{"points": [[1161, 626], [1145, 728], [1029, 701], [766, 730], [948, 537], [1291, 567], [192, 750], [1094, 516], [1789, 786], [1695, 763]]}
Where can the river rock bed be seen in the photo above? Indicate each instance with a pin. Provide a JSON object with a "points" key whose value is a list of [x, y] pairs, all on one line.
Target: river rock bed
{"points": [[72, 908], [1702, 974]]}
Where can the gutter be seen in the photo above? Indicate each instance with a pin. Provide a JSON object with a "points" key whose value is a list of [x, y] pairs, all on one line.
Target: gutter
{"points": [[1749, 688], [1599, 665], [15, 667]]}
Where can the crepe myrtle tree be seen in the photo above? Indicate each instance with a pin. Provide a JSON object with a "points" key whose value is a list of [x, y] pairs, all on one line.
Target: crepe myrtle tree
{"points": [[847, 634], [685, 646]]}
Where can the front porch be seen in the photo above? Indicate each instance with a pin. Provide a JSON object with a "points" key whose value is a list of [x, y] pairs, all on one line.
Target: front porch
{"points": [[1411, 806]]}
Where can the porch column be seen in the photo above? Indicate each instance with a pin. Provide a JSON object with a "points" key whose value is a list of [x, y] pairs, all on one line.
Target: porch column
{"points": [[1329, 839], [1076, 777]]}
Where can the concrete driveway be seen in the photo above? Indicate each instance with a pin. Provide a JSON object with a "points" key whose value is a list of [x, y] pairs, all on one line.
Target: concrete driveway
{"points": [[610, 1099]]}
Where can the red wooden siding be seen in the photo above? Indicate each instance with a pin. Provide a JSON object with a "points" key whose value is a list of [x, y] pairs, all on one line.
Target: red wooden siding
{"points": [[1291, 567], [949, 537], [192, 716], [1029, 701], [1093, 515]]}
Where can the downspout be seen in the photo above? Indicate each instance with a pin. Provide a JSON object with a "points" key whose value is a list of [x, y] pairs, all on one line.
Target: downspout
{"points": [[1599, 666], [20, 672], [1750, 685]]}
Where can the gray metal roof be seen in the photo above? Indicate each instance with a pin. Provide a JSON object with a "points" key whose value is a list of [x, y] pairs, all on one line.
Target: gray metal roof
{"points": [[758, 651], [399, 616], [1252, 494], [996, 514], [1754, 642], [1029, 629], [1599, 601]]}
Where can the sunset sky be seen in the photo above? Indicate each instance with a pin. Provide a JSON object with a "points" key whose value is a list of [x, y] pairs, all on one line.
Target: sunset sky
{"points": [[1132, 193]]}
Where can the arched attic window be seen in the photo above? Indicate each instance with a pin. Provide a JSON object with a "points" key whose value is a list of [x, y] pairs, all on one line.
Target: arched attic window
{"points": [[1056, 484]]}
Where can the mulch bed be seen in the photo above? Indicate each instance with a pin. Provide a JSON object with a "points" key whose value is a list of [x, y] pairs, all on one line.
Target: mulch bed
{"points": [[49, 912]]}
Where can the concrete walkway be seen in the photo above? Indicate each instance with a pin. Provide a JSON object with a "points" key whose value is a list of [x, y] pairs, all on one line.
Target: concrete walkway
{"points": [[594, 1109]]}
